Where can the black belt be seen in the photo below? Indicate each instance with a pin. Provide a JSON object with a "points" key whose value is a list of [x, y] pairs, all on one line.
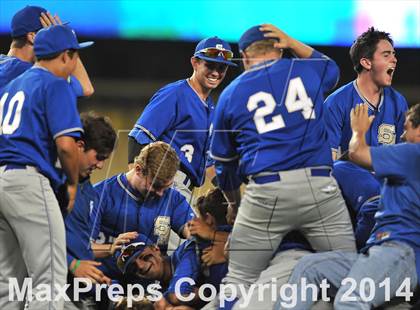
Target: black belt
{"points": [[275, 177]]}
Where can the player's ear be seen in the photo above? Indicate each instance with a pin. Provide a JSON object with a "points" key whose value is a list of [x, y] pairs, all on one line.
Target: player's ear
{"points": [[366, 63], [194, 62], [30, 37], [81, 145]]}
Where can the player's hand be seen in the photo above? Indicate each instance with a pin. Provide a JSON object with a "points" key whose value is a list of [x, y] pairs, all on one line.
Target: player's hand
{"points": [[360, 120], [214, 254], [47, 20], [88, 270], [200, 228], [72, 190], [272, 31], [232, 210], [123, 239]]}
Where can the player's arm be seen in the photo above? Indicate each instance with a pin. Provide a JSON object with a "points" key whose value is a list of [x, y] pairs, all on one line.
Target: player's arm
{"points": [[80, 72], [68, 154], [359, 151], [298, 48], [108, 249]]}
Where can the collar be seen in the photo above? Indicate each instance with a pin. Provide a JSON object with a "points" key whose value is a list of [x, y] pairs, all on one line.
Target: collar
{"points": [[132, 192], [370, 105], [262, 64], [208, 100]]}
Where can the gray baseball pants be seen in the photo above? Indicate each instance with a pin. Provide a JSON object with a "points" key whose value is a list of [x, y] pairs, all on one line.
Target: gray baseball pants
{"points": [[32, 240], [300, 200]]}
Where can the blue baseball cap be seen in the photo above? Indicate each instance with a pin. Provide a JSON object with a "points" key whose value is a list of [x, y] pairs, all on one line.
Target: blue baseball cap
{"points": [[55, 39], [26, 20], [250, 36], [214, 49], [129, 253]]}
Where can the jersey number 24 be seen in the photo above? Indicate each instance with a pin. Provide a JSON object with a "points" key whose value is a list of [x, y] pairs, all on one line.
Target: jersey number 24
{"points": [[296, 100]]}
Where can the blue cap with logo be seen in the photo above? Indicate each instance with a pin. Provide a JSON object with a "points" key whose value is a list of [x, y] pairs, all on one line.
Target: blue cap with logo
{"points": [[214, 49], [55, 39], [129, 253], [250, 36], [26, 20]]}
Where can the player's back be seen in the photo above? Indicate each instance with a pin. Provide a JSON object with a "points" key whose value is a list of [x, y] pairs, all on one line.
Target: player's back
{"points": [[276, 109], [30, 108]]}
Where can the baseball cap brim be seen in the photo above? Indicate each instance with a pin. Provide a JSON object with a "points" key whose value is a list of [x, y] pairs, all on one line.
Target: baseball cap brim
{"points": [[218, 59], [85, 44]]}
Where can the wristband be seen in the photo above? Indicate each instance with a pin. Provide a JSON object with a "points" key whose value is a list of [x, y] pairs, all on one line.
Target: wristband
{"points": [[76, 265]]}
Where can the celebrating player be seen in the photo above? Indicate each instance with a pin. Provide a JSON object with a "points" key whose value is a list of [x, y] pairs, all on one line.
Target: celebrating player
{"points": [[374, 60], [141, 201], [393, 247], [268, 129], [184, 112], [95, 147], [21, 56], [44, 126]]}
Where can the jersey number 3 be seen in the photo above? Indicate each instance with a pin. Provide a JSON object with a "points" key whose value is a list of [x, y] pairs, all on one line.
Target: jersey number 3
{"points": [[296, 100], [7, 125]]}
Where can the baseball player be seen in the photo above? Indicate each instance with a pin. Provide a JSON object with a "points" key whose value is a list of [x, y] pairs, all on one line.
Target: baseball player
{"points": [[141, 201], [39, 123], [268, 129], [145, 260], [95, 147], [184, 110], [393, 249], [374, 60], [25, 23]]}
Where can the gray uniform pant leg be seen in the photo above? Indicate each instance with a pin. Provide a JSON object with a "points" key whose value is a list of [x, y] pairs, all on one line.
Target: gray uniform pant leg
{"points": [[313, 205], [28, 205]]}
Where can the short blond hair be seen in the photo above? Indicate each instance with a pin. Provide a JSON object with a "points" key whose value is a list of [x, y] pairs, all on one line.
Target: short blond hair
{"points": [[262, 47], [159, 161]]}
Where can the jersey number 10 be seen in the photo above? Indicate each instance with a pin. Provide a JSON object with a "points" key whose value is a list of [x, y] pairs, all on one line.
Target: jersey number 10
{"points": [[7, 125], [296, 100]]}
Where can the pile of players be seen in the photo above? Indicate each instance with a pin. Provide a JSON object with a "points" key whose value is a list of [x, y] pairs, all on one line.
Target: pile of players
{"points": [[339, 178]]}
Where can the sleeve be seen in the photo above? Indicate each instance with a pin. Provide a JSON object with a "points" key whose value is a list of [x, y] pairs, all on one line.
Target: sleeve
{"points": [[399, 128], [392, 161], [334, 115], [75, 86], [157, 117], [188, 267], [61, 110], [327, 69], [98, 210], [182, 213]]}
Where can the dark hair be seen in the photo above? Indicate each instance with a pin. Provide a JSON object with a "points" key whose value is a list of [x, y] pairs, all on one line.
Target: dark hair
{"points": [[20, 42], [365, 46], [214, 203], [414, 114], [98, 134], [69, 52]]}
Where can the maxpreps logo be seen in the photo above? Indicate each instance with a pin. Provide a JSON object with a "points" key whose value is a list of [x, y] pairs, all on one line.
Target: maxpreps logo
{"points": [[386, 134]]}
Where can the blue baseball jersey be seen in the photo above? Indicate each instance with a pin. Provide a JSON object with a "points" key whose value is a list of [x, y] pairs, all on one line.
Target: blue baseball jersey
{"points": [[270, 117], [36, 108], [387, 127], [177, 116], [11, 67], [79, 223], [398, 217], [184, 264], [121, 209], [356, 183]]}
